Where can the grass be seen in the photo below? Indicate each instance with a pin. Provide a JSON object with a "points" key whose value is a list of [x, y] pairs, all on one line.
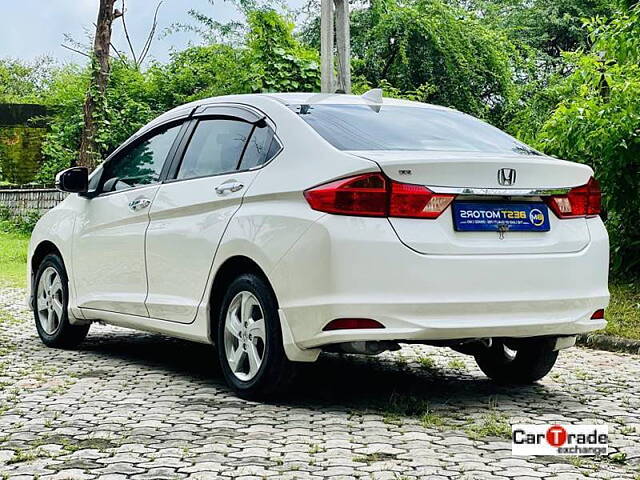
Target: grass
{"points": [[427, 363], [20, 456], [71, 444], [392, 419], [432, 419], [13, 259], [623, 313], [576, 461], [457, 364], [492, 424], [315, 448]]}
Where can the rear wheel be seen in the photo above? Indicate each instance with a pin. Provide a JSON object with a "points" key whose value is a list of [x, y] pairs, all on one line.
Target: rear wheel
{"points": [[249, 340], [527, 362], [51, 290]]}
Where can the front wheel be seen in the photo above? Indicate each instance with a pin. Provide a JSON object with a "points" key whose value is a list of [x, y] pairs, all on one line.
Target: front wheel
{"points": [[50, 306], [249, 340], [527, 362]]}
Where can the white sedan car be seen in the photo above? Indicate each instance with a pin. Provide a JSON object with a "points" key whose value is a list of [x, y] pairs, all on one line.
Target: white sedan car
{"points": [[278, 226]]}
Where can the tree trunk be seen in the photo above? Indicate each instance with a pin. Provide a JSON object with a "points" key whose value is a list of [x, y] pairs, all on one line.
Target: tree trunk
{"points": [[100, 68]]}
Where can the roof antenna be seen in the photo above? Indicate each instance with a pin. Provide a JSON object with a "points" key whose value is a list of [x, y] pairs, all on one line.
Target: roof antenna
{"points": [[374, 95]]}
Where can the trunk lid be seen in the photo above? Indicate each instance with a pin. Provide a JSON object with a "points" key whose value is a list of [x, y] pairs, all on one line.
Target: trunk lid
{"points": [[479, 172]]}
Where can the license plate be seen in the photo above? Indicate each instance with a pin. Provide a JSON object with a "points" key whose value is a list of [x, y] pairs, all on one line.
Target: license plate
{"points": [[506, 217]]}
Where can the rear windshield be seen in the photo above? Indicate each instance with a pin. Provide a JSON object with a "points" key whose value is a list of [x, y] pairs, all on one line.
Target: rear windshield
{"points": [[390, 127]]}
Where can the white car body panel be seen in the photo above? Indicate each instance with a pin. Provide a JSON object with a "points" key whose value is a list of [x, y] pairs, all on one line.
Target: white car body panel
{"points": [[418, 277], [364, 272], [56, 227], [439, 238], [465, 169], [109, 252], [188, 219]]}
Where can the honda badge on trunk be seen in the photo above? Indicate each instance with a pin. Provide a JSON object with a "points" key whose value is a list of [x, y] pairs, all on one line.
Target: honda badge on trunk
{"points": [[507, 176]]}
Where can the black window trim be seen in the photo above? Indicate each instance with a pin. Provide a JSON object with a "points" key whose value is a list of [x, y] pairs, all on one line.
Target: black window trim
{"points": [[133, 142], [189, 120], [222, 112]]}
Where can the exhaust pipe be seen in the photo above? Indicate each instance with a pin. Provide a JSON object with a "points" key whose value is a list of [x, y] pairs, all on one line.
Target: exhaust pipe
{"points": [[373, 347]]}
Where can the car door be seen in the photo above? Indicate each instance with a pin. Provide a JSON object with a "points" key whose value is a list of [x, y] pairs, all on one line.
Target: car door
{"points": [[108, 250], [220, 159]]}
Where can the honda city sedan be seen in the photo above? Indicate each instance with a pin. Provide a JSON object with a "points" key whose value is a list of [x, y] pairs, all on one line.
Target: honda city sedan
{"points": [[279, 226]]}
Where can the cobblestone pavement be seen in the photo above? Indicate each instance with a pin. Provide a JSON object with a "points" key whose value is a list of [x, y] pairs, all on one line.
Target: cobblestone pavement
{"points": [[139, 406]]}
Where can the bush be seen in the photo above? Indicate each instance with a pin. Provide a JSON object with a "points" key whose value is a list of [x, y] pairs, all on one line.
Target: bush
{"points": [[12, 224], [597, 121]]}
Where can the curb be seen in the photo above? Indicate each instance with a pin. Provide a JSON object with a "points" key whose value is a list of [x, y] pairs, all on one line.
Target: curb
{"points": [[609, 343]]}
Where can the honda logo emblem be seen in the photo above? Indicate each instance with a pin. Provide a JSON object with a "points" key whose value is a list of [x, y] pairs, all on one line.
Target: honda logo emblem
{"points": [[507, 176]]}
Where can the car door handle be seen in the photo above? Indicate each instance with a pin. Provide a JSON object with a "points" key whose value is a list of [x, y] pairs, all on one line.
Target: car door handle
{"points": [[139, 204], [229, 187]]}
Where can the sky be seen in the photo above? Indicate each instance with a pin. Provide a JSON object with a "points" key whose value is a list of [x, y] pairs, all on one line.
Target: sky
{"points": [[33, 28]]}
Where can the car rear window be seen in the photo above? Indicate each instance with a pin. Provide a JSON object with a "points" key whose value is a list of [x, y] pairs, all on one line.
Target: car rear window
{"points": [[391, 127]]}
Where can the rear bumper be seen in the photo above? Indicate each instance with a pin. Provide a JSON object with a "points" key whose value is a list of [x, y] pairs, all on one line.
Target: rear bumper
{"points": [[346, 267]]}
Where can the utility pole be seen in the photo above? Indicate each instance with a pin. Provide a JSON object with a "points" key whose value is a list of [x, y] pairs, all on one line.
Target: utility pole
{"points": [[341, 34]]}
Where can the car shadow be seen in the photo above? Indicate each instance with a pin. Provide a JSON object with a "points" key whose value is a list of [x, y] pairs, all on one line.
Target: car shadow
{"points": [[346, 382]]}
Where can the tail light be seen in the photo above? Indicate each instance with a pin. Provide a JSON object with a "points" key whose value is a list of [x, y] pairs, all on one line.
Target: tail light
{"points": [[583, 201], [598, 314], [416, 201], [374, 195], [364, 195]]}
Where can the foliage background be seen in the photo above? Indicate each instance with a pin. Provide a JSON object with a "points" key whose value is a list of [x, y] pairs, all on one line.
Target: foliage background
{"points": [[563, 76]]}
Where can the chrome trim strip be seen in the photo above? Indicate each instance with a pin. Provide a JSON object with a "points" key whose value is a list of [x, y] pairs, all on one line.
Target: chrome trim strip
{"points": [[500, 192]]}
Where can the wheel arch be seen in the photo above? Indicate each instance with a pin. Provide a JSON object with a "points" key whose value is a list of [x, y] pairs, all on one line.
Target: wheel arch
{"points": [[44, 248], [231, 268]]}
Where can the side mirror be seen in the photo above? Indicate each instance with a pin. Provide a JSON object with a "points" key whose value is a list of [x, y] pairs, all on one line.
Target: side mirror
{"points": [[73, 180]]}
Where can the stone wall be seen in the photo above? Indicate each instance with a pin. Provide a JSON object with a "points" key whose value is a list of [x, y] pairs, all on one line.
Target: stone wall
{"points": [[22, 201]]}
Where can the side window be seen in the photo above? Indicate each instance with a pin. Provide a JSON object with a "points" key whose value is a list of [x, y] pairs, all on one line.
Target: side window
{"points": [[142, 164], [259, 150], [215, 147]]}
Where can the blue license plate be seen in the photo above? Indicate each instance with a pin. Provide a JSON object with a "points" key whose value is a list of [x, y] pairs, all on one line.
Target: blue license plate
{"points": [[508, 217]]}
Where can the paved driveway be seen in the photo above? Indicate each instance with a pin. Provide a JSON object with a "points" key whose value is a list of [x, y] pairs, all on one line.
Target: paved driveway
{"points": [[131, 405]]}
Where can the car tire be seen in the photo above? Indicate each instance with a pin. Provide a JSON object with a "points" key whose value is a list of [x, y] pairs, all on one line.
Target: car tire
{"points": [[249, 340], [51, 300], [530, 362]]}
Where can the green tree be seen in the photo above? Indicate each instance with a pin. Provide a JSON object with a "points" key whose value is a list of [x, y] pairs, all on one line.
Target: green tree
{"points": [[546, 28], [198, 72], [269, 58], [597, 121], [128, 105], [258, 55], [279, 62], [24, 82], [432, 51]]}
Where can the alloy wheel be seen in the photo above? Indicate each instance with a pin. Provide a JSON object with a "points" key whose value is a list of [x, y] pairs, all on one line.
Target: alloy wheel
{"points": [[244, 336], [49, 301]]}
